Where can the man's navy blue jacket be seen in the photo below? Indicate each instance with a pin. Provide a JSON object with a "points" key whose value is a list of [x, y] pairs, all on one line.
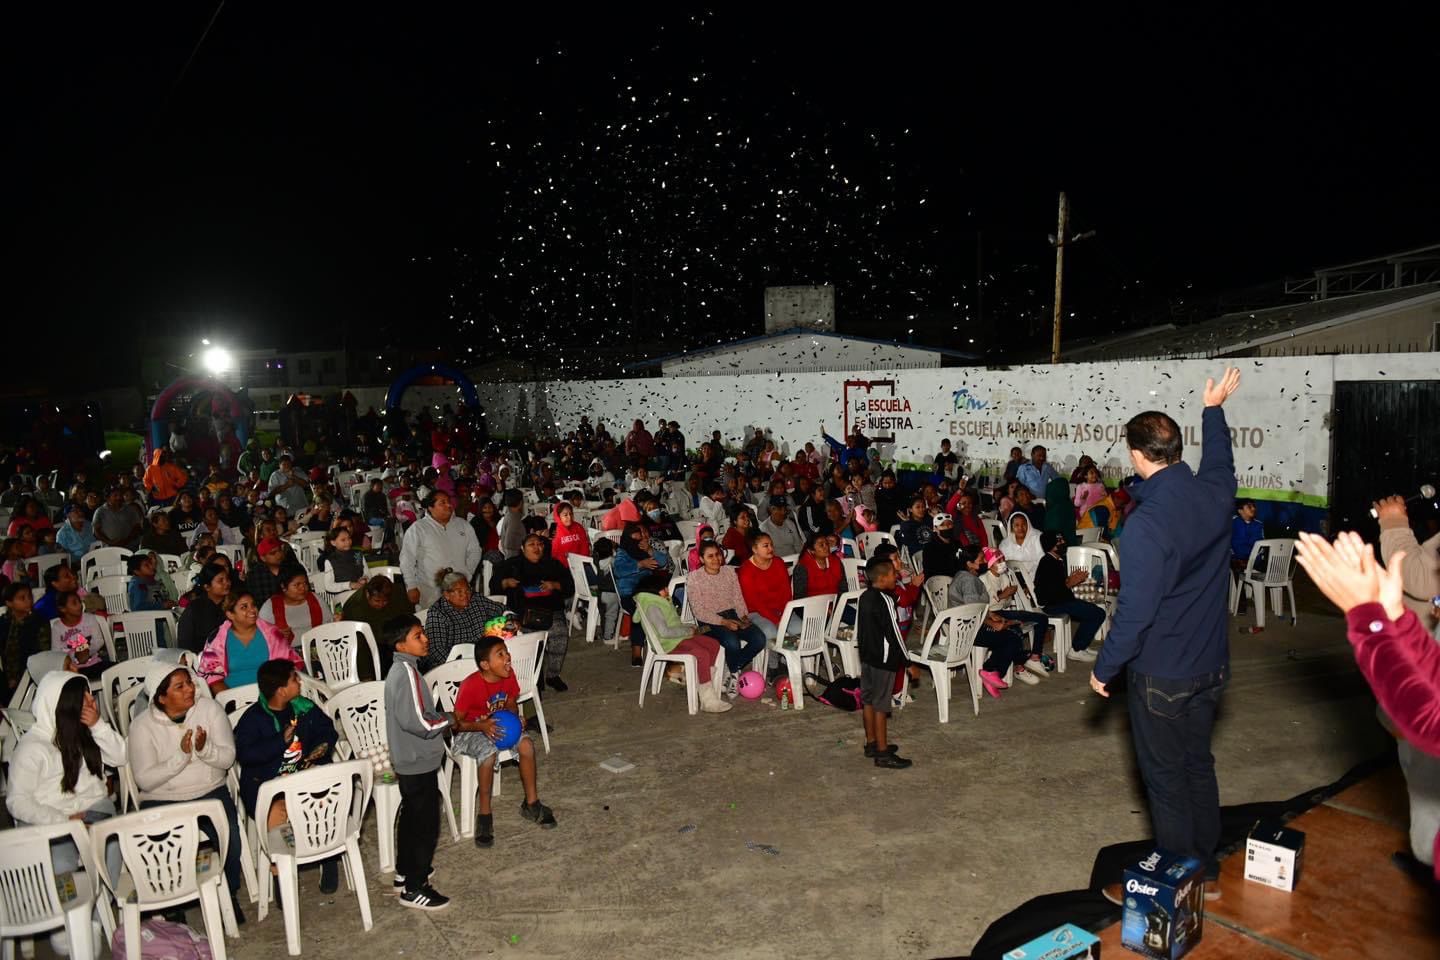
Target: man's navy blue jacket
{"points": [[1173, 615]]}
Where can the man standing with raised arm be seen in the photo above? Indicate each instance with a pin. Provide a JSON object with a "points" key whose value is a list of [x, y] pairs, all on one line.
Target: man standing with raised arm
{"points": [[1170, 631]]}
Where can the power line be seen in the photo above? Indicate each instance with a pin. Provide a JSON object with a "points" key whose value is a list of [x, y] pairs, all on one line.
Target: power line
{"points": [[190, 59]]}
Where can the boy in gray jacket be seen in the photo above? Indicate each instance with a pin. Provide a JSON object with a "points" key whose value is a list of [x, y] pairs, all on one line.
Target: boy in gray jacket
{"points": [[414, 730]]}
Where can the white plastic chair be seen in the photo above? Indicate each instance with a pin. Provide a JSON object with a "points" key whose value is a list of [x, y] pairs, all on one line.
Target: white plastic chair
{"points": [[854, 573], [325, 811], [810, 643], [115, 590], [30, 901], [950, 645], [158, 847], [1276, 579], [866, 543], [115, 680], [336, 648], [687, 529], [236, 700], [1089, 558], [527, 658], [141, 631], [359, 712], [103, 560], [845, 645], [43, 563], [580, 569], [935, 592], [170, 561], [652, 674], [394, 574], [994, 531], [1089, 535]]}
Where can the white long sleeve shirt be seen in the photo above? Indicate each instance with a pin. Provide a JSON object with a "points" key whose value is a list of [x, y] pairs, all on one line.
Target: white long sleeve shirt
{"points": [[428, 548]]}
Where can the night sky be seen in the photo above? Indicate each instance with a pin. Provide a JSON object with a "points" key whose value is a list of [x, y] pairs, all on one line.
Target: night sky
{"points": [[552, 180]]}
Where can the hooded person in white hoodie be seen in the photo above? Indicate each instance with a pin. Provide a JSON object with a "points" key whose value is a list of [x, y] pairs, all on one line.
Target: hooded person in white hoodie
{"points": [[57, 772], [181, 747], [58, 769]]}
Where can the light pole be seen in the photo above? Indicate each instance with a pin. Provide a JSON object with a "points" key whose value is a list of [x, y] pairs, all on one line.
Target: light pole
{"points": [[1059, 241]]}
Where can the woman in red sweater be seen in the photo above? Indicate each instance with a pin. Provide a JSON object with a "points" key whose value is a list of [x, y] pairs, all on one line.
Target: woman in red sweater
{"points": [[1399, 659], [569, 537], [819, 572], [765, 584]]}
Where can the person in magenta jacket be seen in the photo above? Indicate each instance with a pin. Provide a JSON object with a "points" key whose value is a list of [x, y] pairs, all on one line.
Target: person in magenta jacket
{"points": [[234, 654], [1398, 657]]}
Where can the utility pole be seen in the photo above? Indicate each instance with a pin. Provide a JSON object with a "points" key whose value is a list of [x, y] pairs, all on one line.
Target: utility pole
{"points": [[1059, 275], [1060, 242]]}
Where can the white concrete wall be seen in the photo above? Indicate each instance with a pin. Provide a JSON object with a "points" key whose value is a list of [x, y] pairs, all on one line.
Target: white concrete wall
{"points": [[1279, 420], [801, 352]]}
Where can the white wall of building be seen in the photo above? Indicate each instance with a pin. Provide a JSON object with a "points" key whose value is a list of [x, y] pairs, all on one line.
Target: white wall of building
{"points": [[801, 352], [1279, 420]]}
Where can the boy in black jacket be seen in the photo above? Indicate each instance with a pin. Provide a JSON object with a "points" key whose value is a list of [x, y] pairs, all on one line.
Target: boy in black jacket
{"points": [[882, 655]]}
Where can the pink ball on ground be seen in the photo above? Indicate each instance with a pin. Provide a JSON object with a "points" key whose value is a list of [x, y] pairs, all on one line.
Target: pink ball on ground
{"points": [[751, 685]]}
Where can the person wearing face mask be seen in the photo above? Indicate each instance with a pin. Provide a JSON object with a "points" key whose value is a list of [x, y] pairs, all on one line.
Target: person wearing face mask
{"points": [[181, 748], [1010, 595], [536, 586], [659, 524]]}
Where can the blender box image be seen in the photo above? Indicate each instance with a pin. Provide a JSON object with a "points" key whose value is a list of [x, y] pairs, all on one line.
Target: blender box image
{"points": [[1067, 942], [1273, 855], [1164, 906]]}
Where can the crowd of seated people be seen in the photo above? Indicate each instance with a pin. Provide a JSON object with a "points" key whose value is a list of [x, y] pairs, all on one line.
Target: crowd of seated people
{"points": [[481, 531]]}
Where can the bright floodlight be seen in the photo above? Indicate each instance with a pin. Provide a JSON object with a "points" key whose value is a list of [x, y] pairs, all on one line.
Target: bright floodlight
{"points": [[217, 359]]}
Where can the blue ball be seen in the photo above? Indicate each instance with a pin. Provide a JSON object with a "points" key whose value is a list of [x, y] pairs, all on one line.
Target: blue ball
{"points": [[511, 728]]}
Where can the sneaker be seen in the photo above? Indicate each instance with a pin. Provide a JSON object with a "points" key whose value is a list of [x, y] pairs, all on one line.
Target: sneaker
{"points": [[426, 898], [892, 761], [60, 942], [1212, 890], [556, 684], [900, 699], [1037, 667], [1084, 655], [871, 753], [1115, 893], [538, 813], [1025, 676], [485, 830], [400, 881], [732, 686]]}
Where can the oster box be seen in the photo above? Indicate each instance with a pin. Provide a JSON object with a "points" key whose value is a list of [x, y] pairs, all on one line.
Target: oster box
{"points": [[1164, 906]]}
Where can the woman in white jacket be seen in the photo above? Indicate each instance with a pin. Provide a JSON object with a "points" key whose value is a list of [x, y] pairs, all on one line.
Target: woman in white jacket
{"points": [[57, 772], [181, 748]]}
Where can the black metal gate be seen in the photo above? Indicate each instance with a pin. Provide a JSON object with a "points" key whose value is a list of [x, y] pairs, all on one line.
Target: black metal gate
{"points": [[1385, 438]]}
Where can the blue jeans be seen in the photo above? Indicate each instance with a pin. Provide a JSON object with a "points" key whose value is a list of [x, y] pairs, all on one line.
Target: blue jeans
{"points": [[1036, 623], [741, 646], [1171, 722], [1088, 619]]}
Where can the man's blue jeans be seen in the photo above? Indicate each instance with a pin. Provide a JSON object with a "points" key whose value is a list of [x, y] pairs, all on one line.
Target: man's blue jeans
{"points": [[1171, 722], [1088, 619]]}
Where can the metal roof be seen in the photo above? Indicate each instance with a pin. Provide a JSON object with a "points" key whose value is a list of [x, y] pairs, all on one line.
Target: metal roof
{"points": [[795, 331], [1248, 329]]}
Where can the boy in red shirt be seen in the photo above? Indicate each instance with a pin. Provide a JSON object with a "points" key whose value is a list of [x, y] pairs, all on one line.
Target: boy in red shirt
{"points": [[491, 688]]}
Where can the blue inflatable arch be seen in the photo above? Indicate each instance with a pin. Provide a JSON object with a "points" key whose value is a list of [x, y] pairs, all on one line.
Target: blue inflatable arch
{"points": [[403, 382]]}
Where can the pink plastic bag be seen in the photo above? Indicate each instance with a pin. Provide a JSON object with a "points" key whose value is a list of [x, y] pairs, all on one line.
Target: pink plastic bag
{"points": [[163, 940]]}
